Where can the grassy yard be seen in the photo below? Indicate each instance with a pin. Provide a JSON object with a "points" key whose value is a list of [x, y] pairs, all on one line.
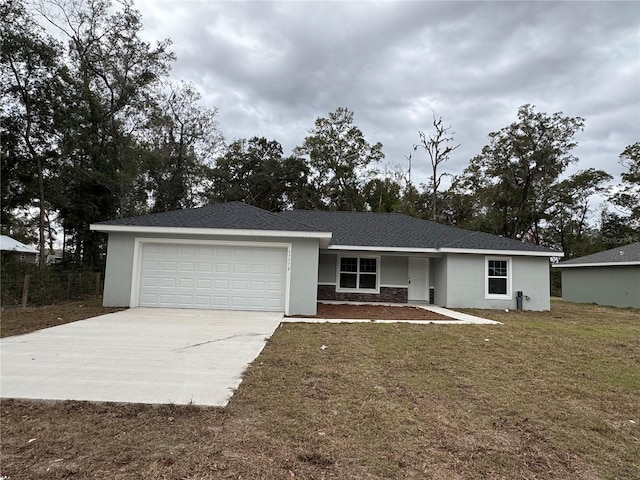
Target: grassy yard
{"points": [[552, 395]]}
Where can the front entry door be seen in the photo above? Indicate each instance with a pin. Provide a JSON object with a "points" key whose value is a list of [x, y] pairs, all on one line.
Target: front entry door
{"points": [[419, 279]]}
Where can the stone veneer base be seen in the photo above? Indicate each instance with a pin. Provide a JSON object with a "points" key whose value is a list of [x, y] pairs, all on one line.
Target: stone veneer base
{"points": [[386, 295]]}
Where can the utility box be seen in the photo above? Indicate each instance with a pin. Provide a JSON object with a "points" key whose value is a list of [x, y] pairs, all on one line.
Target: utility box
{"points": [[519, 299]]}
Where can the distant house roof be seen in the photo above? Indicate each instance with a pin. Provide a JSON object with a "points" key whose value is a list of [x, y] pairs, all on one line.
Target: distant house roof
{"points": [[625, 255], [395, 231], [8, 244], [218, 218]]}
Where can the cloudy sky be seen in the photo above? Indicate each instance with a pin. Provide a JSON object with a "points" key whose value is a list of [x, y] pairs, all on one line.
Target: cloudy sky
{"points": [[272, 68]]}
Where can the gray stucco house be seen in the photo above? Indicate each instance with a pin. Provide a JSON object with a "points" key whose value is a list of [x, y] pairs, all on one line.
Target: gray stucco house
{"points": [[234, 256], [611, 277]]}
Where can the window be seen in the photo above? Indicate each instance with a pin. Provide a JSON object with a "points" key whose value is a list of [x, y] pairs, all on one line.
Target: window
{"points": [[498, 279], [358, 273]]}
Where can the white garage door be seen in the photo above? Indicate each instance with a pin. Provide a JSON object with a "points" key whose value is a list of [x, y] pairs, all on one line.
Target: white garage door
{"points": [[211, 276]]}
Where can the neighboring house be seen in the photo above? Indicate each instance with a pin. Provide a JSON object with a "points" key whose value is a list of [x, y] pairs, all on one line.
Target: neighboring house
{"points": [[611, 277], [234, 256], [13, 249]]}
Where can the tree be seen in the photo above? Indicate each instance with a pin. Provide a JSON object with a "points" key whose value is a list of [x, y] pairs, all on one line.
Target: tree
{"points": [[616, 230], [568, 227], [438, 147], [511, 181], [32, 89], [383, 195], [256, 172], [627, 197], [339, 157], [183, 138], [115, 73]]}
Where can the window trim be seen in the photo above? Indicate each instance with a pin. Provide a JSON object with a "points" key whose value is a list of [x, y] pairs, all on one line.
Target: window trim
{"points": [[357, 289], [495, 296]]}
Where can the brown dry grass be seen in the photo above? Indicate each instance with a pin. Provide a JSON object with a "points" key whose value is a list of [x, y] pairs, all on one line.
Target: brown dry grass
{"points": [[16, 321], [544, 396]]}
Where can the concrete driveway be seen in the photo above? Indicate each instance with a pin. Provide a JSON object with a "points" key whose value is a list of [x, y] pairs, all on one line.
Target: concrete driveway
{"points": [[139, 355]]}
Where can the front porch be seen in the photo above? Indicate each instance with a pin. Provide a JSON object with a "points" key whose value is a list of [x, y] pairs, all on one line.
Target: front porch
{"points": [[378, 277]]}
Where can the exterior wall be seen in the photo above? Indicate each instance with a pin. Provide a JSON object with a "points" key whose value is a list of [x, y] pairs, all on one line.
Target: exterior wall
{"points": [[394, 271], [438, 274], [303, 273], [618, 286], [303, 298], [118, 271], [11, 256], [465, 280], [327, 268]]}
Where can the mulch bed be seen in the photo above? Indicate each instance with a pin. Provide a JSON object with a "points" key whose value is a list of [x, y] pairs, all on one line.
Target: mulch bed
{"points": [[374, 312]]}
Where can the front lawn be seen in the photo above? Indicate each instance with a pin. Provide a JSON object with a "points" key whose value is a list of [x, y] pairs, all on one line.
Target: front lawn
{"points": [[552, 395]]}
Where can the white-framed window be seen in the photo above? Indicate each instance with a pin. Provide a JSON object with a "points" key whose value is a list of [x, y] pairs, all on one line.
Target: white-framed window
{"points": [[358, 274], [498, 277]]}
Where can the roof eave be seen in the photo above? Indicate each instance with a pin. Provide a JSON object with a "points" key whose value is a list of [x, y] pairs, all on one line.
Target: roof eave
{"points": [[209, 231], [598, 264], [488, 251], [368, 248]]}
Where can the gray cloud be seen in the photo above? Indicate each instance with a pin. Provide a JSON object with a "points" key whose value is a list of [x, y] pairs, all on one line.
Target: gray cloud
{"points": [[272, 68]]}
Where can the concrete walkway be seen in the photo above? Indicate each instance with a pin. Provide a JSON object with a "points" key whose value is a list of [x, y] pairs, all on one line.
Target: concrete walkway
{"points": [[456, 318], [140, 355]]}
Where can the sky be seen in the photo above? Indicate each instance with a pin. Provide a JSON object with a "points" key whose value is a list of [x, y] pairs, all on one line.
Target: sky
{"points": [[272, 68]]}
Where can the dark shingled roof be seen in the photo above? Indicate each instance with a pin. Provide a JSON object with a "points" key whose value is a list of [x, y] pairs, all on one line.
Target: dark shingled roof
{"points": [[401, 231], [625, 254], [383, 230], [232, 215]]}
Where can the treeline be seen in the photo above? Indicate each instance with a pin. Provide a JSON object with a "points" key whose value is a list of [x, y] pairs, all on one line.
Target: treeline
{"points": [[93, 129]]}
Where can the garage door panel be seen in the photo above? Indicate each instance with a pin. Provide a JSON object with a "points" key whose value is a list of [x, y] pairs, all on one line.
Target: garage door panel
{"points": [[149, 281], [167, 282], [274, 304], [185, 300], [241, 268], [187, 267], [203, 300], [205, 267], [151, 265], [166, 299], [275, 270], [220, 302], [222, 268], [223, 277], [149, 298], [256, 301], [169, 267], [153, 249]]}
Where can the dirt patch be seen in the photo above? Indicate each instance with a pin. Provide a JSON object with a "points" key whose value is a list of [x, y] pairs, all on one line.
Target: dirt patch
{"points": [[374, 312], [16, 321]]}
